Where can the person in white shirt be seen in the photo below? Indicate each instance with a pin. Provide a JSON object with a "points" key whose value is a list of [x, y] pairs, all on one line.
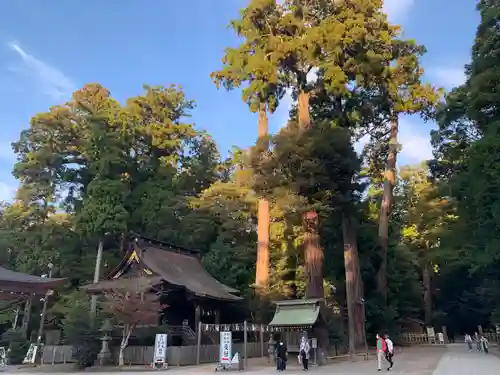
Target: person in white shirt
{"points": [[468, 340], [389, 354], [304, 352]]}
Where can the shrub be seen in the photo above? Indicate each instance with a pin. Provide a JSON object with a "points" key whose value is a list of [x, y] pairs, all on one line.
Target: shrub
{"points": [[82, 335], [17, 344]]}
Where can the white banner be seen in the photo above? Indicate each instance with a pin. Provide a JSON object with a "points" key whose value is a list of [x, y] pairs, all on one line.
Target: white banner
{"points": [[430, 332], [226, 339], [160, 355], [31, 354]]}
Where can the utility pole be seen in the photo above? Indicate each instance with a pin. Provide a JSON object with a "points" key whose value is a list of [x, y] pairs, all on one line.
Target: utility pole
{"points": [[44, 309], [97, 274]]}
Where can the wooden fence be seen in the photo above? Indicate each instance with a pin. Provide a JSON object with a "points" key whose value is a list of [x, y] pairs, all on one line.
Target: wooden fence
{"points": [[143, 355], [417, 339], [492, 336]]}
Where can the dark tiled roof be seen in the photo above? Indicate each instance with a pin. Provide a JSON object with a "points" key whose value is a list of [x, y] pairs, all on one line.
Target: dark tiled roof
{"points": [[167, 263], [182, 268], [134, 284], [11, 281]]}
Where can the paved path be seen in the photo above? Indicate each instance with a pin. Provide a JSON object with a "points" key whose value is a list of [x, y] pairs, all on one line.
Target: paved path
{"points": [[460, 362]]}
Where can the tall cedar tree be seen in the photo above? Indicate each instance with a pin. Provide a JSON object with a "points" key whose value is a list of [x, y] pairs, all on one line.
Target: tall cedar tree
{"points": [[401, 86], [251, 63]]}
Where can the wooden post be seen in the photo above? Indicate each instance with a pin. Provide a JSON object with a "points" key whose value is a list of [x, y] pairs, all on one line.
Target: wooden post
{"points": [[27, 315], [197, 315], [16, 318], [198, 343], [261, 334], [245, 334], [217, 321], [445, 334], [54, 348]]}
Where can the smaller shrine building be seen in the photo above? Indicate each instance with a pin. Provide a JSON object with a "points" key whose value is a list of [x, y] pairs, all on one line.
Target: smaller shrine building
{"points": [[191, 295]]}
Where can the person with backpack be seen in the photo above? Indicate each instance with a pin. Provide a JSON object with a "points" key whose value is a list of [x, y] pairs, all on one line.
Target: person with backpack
{"points": [[484, 344], [304, 352], [381, 350], [389, 354]]}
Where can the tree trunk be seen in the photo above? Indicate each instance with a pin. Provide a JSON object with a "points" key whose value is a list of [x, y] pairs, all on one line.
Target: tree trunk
{"points": [[354, 288], [290, 278], [127, 331], [313, 251], [426, 278], [303, 110], [386, 207], [262, 266], [313, 257]]}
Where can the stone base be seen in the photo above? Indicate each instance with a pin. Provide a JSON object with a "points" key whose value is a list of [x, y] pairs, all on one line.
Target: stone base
{"points": [[104, 359]]}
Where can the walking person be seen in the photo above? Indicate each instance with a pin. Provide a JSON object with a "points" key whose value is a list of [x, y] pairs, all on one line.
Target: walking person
{"points": [[477, 340], [389, 354], [484, 344], [304, 353], [281, 354], [468, 340], [381, 349]]}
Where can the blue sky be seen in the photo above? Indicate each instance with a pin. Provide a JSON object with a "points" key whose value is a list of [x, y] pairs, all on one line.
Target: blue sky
{"points": [[49, 48]]}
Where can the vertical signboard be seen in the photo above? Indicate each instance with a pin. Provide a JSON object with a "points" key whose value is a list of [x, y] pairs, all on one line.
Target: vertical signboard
{"points": [[31, 354], [3, 357], [160, 355], [226, 340]]}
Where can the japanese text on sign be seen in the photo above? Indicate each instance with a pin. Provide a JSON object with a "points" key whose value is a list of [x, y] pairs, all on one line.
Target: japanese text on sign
{"points": [[225, 347], [160, 348]]}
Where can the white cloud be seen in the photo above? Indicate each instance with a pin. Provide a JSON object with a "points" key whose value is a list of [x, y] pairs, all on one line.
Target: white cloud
{"points": [[414, 139], [397, 9], [359, 145], [447, 76], [50, 80]]}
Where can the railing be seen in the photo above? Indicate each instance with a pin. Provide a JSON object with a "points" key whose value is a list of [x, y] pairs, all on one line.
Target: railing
{"points": [[143, 355]]}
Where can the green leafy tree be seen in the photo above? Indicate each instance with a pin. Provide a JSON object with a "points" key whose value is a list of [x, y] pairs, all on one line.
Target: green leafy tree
{"points": [[426, 216], [465, 165]]}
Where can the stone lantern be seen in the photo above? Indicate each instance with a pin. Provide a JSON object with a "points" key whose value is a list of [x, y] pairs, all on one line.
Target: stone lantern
{"points": [[104, 356]]}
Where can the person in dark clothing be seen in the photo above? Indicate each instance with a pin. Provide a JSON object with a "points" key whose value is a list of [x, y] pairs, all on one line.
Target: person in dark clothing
{"points": [[281, 354], [389, 353]]}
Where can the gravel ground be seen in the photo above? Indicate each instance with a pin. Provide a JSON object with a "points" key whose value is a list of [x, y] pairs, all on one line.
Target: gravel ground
{"points": [[452, 360]]}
